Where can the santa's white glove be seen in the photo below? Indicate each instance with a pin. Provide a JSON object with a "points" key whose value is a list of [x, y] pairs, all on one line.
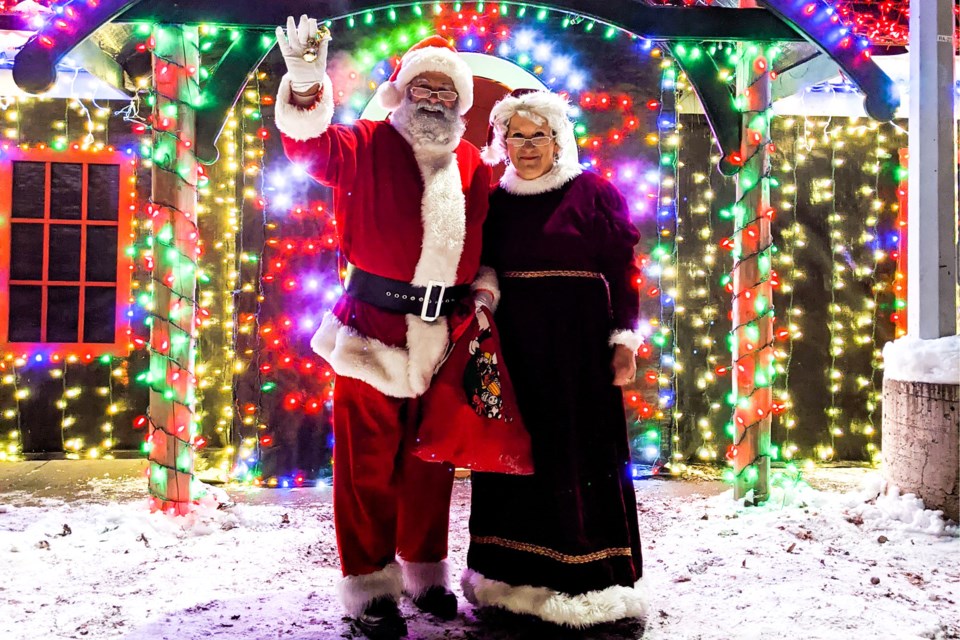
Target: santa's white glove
{"points": [[304, 75]]}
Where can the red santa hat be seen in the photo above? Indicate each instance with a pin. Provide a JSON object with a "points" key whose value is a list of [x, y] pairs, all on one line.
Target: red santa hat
{"points": [[430, 54], [537, 105]]}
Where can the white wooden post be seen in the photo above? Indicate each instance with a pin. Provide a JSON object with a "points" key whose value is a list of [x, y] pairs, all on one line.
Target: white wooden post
{"points": [[932, 216]]}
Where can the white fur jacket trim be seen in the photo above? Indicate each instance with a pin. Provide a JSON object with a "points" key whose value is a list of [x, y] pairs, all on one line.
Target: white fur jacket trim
{"points": [[559, 175]]}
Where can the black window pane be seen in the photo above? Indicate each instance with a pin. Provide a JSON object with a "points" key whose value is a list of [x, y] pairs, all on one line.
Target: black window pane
{"points": [[24, 318], [101, 254], [63, 314], [66, 190], [64, 253], [26, 251], [103, 191], [100, 314], [29, 179]]}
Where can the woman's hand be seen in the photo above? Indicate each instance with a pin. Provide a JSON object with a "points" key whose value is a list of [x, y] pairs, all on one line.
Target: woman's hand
{"points": [[624, 365], [483, 298]]}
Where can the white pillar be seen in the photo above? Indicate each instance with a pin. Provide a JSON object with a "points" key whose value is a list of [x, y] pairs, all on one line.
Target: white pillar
{"points": [[932, 218]]}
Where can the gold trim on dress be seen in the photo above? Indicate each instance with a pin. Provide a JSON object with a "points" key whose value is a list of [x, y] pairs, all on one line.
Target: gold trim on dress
{"points": [[555, 273], [561, 273], [567, 558]]}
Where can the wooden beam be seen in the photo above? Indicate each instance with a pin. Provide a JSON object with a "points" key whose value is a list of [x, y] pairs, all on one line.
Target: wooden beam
{"points": [[92, 59], [932, 217], [35, 66], [224, 87], [792, 81], [817, 21], [715, 99], [654, 22]]}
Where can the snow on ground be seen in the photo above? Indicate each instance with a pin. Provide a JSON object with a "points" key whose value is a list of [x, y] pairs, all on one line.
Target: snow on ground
{"points": [[809, 564], [916, 360]]}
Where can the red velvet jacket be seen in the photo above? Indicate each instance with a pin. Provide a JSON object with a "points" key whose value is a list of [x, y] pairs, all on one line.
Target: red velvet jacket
{"points": [[398, 215]]}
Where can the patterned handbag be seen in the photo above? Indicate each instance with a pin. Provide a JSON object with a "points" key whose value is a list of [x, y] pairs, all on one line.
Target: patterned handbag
{"points": [[469, 414]]}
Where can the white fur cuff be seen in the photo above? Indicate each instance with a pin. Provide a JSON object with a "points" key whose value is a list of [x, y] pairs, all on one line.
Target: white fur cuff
{"points": [[629, 339], [299, 123], [487, 280], [577, 611], [420, 576], [356, 592]]}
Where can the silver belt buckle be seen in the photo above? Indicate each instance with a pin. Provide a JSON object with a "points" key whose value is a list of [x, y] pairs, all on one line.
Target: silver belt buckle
{"points": [[425, 309]]}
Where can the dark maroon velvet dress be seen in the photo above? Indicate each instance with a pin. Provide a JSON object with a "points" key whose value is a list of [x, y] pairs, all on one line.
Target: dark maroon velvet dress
{"points": [[572, 526]]}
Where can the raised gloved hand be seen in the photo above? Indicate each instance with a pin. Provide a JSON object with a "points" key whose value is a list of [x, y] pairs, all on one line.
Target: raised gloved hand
{"points": [[304, 49]]}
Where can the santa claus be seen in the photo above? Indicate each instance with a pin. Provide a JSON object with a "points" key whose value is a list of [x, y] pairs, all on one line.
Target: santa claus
{"points": [[410, 197]]}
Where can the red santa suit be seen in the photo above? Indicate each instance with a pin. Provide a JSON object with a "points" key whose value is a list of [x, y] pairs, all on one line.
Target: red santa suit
{"points": [[414, 215]]}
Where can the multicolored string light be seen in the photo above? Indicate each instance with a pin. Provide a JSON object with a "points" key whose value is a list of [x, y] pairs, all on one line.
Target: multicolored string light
{"points": [[270, 245]]}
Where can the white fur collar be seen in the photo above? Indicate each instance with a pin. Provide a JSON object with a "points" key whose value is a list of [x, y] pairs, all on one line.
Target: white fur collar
{"points": [[561, 174]]}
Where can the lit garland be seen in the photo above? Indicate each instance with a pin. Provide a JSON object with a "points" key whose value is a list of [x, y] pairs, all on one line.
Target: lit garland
{"points": [[794, 240], [219, 222], [701, 310], [255, 335], [665, 255], [899, 250]]}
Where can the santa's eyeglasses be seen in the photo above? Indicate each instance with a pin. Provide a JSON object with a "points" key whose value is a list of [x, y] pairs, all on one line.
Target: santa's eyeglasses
{"points": [[537, 141], [423, 93]]}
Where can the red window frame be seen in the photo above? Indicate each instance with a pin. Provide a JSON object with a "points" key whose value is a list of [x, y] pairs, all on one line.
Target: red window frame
{"points": [[126, 206]]}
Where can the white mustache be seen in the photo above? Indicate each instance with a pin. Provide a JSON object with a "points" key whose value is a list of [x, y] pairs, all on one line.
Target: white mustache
{"points": [[426, 106]]}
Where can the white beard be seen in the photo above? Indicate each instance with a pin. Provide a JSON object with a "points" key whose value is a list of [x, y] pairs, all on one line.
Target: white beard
{"points": [[425, 131]]}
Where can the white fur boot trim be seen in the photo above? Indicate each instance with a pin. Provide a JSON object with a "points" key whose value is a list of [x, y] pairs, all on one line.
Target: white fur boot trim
{"points": [[420, 576], [356, 592], [584, 610]]}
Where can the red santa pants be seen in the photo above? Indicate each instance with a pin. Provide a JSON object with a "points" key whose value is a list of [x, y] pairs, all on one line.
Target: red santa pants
{"points": [[386, 501]]}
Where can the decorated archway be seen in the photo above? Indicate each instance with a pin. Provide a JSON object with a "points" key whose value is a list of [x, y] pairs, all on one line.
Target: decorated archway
{"points": [[182, 94]]}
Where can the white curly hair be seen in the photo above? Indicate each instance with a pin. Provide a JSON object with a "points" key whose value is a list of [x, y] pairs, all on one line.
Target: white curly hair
{"points": [[539, 106]]}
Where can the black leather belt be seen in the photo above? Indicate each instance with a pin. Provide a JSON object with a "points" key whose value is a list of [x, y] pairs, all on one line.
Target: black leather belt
{"points": [[430, 302]]}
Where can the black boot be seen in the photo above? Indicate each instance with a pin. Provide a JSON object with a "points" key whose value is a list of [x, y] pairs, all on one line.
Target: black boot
{"points": [[438, 601], [381, 620]]}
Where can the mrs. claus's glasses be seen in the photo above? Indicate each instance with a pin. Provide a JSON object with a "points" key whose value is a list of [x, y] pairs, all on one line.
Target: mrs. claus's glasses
{"points": [[537, 141]]}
